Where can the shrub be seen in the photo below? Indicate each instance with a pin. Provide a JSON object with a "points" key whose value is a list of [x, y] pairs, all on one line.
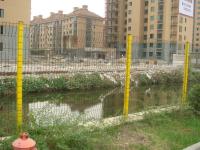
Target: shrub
{"points": [[7, 86], [144, 80], [167, 77], [34, 84], [195, 77], [77, 82], [58, 83], [82, 82], [194, 99]]}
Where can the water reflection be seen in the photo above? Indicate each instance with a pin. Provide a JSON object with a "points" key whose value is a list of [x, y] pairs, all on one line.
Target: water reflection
{"points": [[84, 105], [46, 113]]}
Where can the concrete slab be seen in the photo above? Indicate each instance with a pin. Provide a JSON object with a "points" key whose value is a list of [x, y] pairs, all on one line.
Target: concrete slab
{"points": [[193, 147], [114, 121]]}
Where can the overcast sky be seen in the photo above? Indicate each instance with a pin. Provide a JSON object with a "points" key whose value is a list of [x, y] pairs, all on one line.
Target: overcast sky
{"points": [[44, 7]]}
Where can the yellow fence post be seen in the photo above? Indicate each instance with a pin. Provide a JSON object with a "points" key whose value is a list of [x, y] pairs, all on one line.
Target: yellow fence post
{"points": [[185, 74], [128, 75], [19, 75]]}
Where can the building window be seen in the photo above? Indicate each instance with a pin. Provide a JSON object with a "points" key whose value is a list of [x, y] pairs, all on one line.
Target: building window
{"points": [[159, 45], [1, 13], [125, 22], [160, 26], [129, 28], [152, 18], [159, 36], [180, 37], [152, 9], [1, 29], [180, 28], [150, 54], [1, 46], [145, 20], [144, 45], [159, 54], [160, 18], [152, 27], [130, 3], [146, 11], [181, 20], [144, 54]]}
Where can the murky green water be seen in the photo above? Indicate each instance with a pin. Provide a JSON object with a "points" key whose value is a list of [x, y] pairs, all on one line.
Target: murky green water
{"points": [[83, 105]]}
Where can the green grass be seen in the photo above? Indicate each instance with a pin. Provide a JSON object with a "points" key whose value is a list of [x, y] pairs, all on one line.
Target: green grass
{"points": [[165, 131], [177, 130]]}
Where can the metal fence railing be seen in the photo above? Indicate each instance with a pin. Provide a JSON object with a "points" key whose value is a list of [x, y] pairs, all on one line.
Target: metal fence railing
{"points": [[88, 75]]}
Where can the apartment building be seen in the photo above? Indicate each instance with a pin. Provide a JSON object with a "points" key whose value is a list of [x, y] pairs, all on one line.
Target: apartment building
{"points": [[79, 29], [45, 34], [196, 32], [11, 12], [158, 27]]}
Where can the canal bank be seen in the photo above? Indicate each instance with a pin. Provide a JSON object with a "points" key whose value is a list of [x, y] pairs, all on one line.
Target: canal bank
{"points": [[87, 81]]}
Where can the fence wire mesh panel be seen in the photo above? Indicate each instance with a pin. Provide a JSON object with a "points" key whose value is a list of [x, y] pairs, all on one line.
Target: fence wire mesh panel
{"points": [[72, 73]]}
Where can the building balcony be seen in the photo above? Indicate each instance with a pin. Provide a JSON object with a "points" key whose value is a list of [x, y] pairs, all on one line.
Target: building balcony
{"points": [[159, 40], [175, 6], [175, 3], [174, 12], [174, 23], [173, 38], [173, 33], [144, 40], [160, 21]]}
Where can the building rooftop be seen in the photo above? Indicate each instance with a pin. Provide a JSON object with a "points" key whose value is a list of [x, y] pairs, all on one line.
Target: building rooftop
{"points": [[78, 12]]}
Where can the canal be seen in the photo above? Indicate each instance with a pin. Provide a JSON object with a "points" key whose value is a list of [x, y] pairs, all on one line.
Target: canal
{"points": [[68, 106]]}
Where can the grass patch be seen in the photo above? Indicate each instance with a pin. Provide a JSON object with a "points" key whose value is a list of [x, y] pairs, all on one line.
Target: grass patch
{"points": [[177, 130], [66, 137], [194, 77], [194, 99], [165, 131]]}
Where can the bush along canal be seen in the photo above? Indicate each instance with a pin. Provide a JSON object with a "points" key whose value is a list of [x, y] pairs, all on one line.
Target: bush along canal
{"points": [[34, 84]]}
